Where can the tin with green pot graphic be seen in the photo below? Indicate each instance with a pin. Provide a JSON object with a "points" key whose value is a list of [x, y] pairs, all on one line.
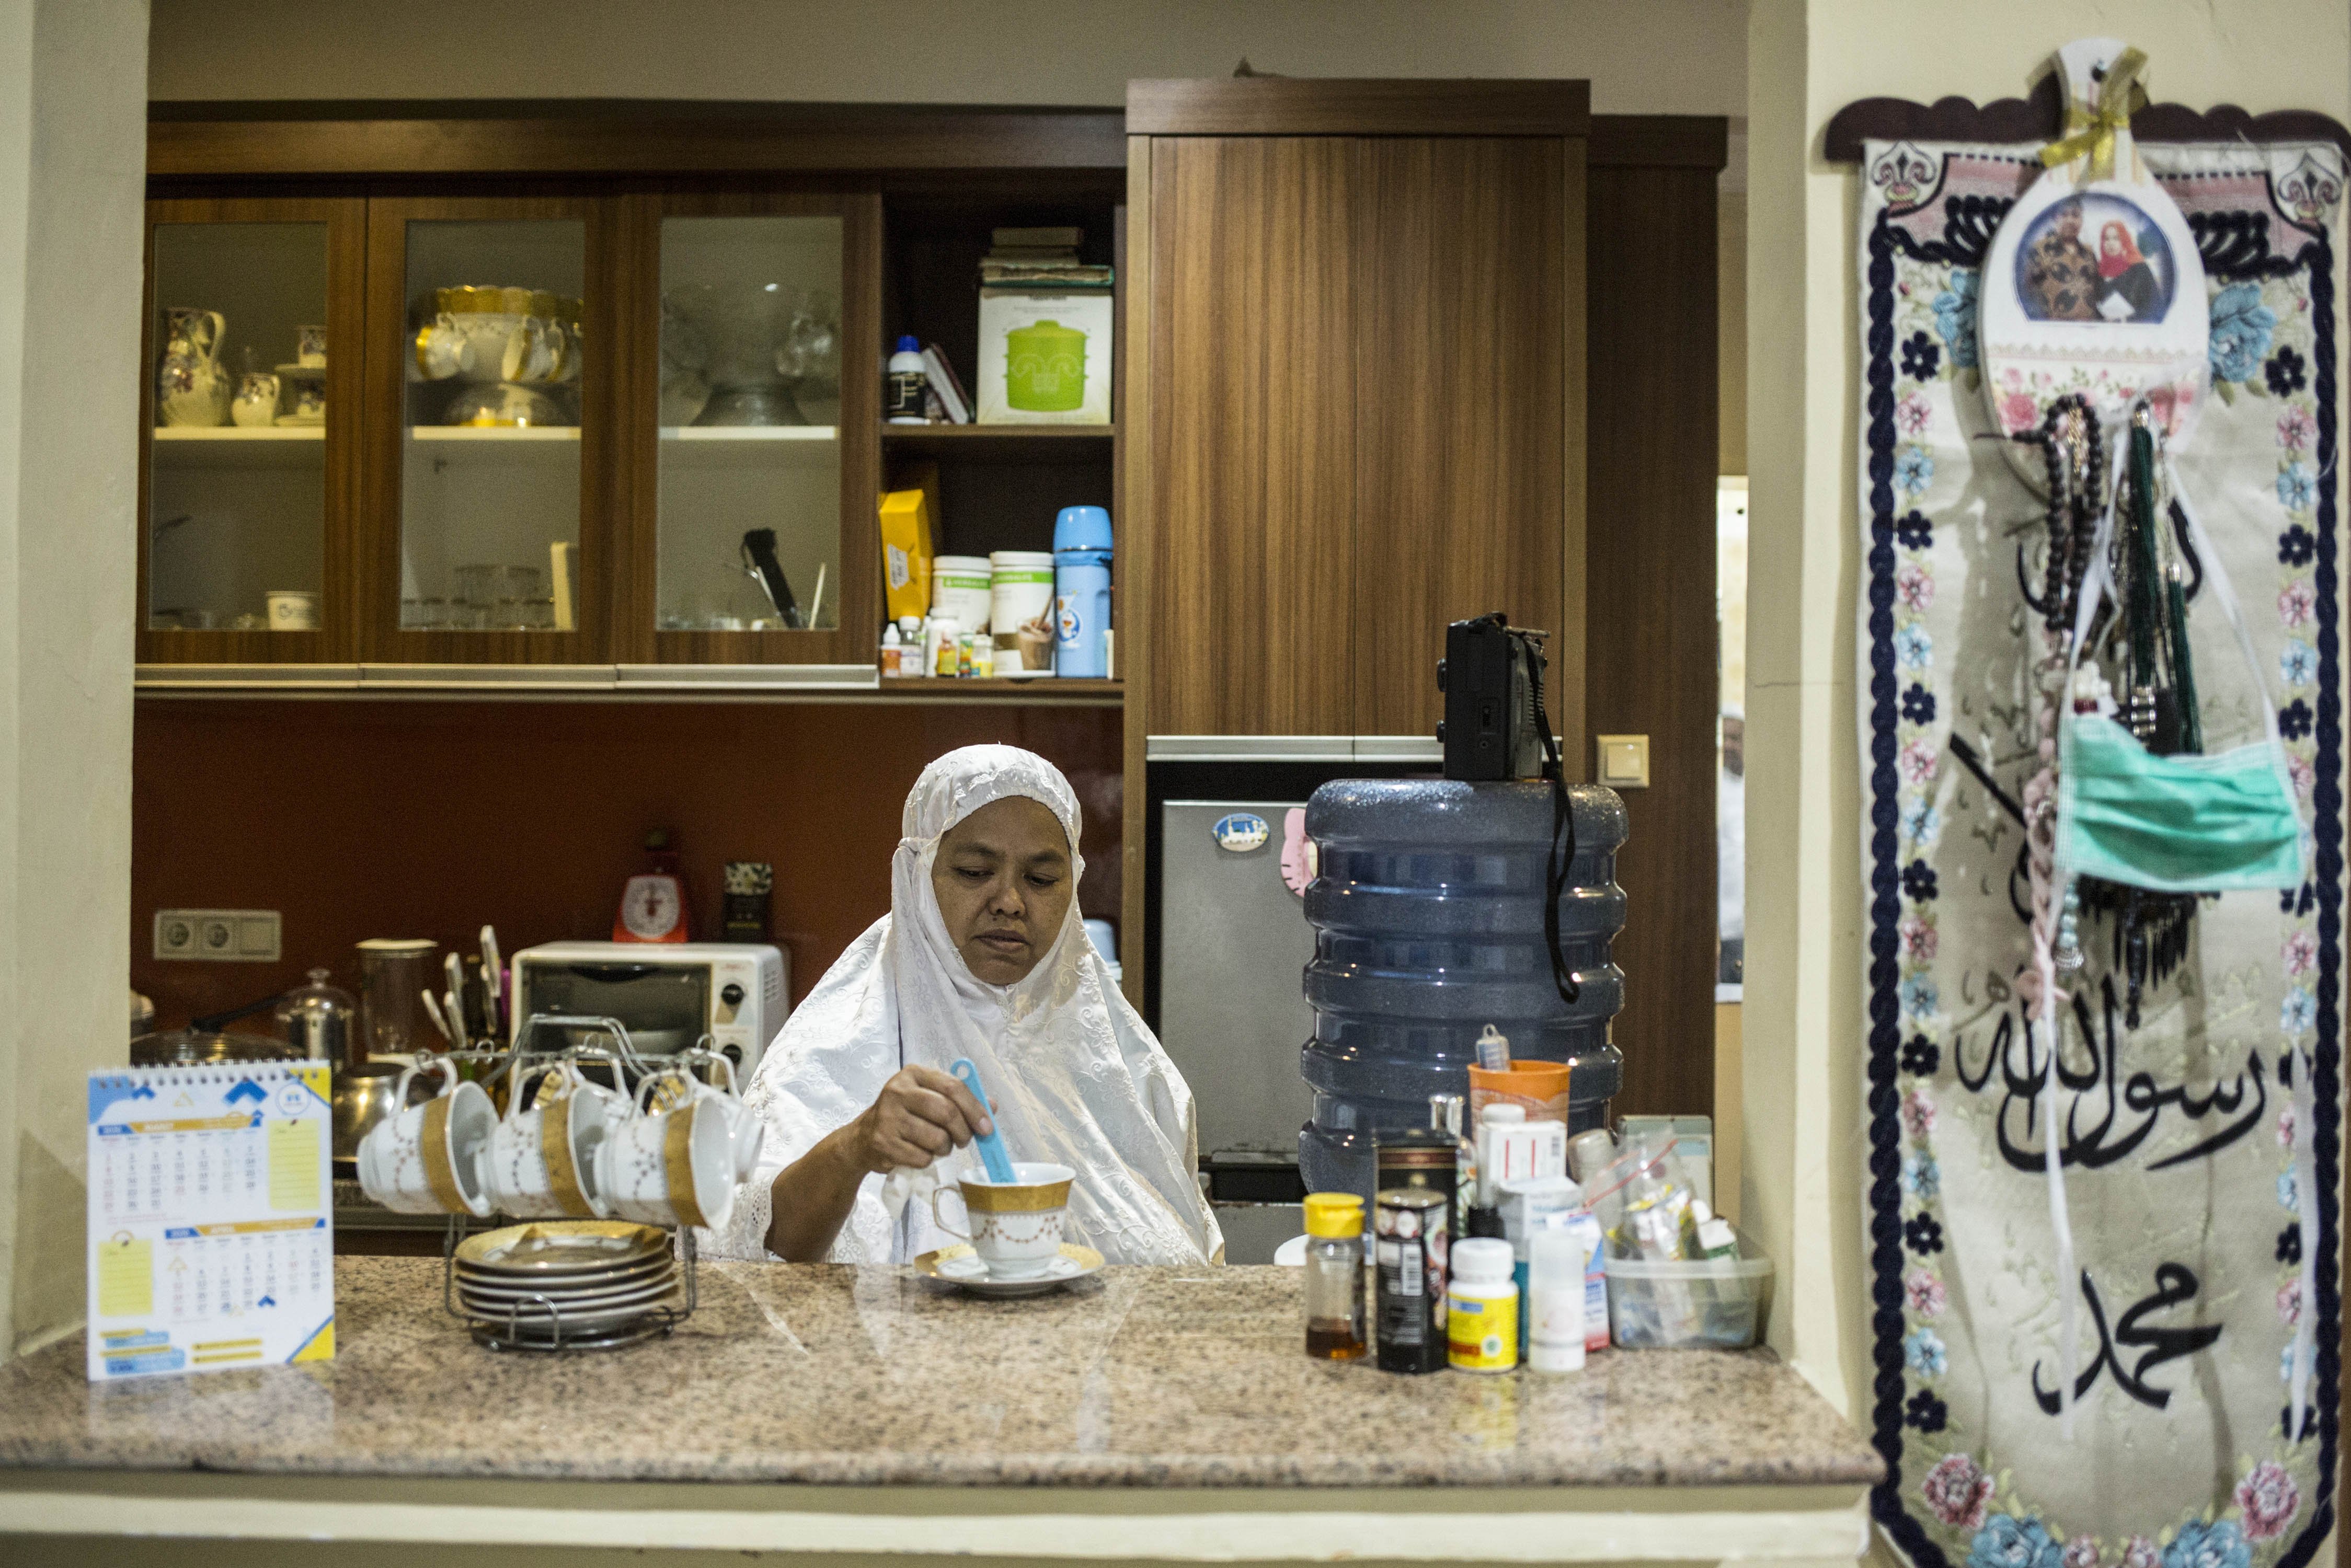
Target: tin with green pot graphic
{"points": [[1044, 367]]}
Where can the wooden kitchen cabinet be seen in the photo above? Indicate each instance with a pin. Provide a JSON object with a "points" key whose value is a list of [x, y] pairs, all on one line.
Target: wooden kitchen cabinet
{"points": [[244, 504], [1251, 429], [1359, 373], [429, 518], [1462, 447], [459, 511], [727, 284]]}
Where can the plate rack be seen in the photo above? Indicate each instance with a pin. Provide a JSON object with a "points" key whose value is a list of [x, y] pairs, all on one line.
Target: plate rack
{"points": [[505, 1331]]}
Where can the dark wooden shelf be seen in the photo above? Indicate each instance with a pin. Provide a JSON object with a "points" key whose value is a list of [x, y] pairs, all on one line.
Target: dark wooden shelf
{"points": [[1029, 443], [1076, 692]]}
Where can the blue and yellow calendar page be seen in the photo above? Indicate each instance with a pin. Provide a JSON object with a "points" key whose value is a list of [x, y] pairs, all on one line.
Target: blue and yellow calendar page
{"points": [[212, 1237]]}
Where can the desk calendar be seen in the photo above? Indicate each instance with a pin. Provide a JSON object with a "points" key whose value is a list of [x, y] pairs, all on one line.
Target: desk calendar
{"points": [[211, 1218]]}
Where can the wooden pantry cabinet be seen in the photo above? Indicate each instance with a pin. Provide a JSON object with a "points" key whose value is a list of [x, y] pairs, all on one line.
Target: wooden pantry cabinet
{"points": [[1356, 361], [588, 366]]}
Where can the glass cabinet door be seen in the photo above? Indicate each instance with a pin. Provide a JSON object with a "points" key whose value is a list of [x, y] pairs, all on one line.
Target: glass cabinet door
{"points": [[240, 489], [488, 313], [746, 560]]}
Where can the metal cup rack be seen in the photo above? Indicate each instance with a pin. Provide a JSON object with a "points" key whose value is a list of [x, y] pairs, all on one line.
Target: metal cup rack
{"points": [[632, 1073]]}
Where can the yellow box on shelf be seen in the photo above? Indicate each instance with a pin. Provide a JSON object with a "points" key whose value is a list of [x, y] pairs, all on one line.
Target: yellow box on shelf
{"points": [[906, 553]]}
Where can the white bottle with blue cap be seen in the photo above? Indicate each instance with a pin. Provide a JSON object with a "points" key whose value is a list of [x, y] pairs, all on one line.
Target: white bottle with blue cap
{"points": [[1082, 557], [908, 381]]}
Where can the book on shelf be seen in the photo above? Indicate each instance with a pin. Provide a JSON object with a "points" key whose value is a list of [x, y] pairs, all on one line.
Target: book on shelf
{"points": [[1045, 238], [954, 402], [1042, 274]]}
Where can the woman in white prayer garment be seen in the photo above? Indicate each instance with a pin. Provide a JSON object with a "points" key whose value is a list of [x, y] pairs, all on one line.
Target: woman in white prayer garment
{"points": [[982, 955]]}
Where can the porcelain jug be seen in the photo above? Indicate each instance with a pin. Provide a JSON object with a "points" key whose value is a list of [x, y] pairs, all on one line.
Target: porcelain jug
{"points": [[192, 386]]}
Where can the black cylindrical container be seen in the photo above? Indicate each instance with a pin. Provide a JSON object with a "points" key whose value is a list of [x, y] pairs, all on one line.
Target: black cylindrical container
{"points": [[1418, 1156], [1410, 1250]]}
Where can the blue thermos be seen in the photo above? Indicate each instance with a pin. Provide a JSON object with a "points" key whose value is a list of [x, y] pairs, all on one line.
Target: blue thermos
{"points": [[1081, 556]]}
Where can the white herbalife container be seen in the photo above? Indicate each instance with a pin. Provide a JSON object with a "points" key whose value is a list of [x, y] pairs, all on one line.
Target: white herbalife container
{"points": [[1020, 590], [960, 590]]}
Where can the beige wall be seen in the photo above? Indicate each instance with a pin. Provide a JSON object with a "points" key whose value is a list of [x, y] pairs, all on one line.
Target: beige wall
{"points": [[1803, 1019], [72, 166], [901, 51], [1731, 242]]}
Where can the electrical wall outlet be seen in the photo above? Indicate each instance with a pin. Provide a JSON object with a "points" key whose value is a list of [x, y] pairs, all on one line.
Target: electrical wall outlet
{"points": [[217, 936]]}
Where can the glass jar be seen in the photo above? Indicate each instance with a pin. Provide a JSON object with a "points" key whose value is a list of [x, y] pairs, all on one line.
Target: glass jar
{"points": [[1334, 1276]]}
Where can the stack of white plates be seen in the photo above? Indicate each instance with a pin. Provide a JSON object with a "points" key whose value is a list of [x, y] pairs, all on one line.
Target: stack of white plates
{"points": [[588, 1281]]}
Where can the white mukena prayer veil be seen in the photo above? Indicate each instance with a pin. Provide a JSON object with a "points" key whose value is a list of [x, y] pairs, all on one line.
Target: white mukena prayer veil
{"points": [[1075, 1076]]}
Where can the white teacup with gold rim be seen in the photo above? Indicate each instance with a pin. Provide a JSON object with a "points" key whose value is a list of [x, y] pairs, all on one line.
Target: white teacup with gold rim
{"points": [[747, 1130], [1015, 1226], [542, 1163], [672, 1166], [427, 1159]]}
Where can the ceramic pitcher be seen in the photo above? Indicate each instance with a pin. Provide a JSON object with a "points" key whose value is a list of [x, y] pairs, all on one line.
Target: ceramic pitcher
{"points": [[192, 386]]}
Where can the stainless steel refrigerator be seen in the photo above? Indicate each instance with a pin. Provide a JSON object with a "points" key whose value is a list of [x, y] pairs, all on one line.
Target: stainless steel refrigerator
{"points": [[1233, 947]]}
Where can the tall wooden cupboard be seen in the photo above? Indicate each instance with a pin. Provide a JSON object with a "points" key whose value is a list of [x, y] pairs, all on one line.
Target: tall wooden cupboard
{"points": [[1356, 357], [1354, 392]]}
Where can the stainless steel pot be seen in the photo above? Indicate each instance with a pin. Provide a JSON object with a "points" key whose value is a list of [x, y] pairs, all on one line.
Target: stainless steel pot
{"points": [[194, 1047], [364, 1095]]}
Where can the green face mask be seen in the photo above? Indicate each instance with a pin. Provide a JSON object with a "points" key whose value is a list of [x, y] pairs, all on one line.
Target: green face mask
{"points": [[2175, 824]]}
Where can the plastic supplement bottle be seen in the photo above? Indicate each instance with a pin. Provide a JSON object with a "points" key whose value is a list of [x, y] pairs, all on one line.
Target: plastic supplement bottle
{"points": [[1334, 1276], [907, 381], [1481, 1309], [1554, 1303]]}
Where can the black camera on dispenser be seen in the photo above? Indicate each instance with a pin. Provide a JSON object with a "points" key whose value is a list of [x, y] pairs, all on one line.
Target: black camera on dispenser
{"points": [[1492, 677]]}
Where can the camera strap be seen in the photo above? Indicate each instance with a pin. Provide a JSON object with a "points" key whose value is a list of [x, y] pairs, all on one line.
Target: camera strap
{"points": [[1562, 826]]}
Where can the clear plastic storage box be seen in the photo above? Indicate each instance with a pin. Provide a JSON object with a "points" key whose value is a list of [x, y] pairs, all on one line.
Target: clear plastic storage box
{"points": [[1717, 1304]]}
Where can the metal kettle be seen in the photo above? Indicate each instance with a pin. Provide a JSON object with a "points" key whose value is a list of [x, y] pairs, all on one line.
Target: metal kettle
{"points": [[320, 1021]]}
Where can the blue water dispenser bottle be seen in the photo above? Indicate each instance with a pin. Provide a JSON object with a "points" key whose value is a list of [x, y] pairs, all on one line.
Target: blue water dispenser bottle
{"points": [[1082, 557]]}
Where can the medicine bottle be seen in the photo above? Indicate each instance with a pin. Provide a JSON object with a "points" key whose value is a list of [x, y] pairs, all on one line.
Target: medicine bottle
{"points": [[1334, 1276], [947, 645], [902, 394], [1555, 1300], [1481, 1312]]}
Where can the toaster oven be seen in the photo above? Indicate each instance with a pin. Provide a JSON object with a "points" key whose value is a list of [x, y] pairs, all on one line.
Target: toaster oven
{"points": [[668, 995]]}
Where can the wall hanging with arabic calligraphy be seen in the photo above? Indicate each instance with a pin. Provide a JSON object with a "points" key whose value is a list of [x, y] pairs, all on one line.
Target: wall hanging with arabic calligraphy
{"points": [[2188, 1131]]}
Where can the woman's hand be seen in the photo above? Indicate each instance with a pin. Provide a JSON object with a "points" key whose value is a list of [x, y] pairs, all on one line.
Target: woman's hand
{"points": [[920, 1114]]}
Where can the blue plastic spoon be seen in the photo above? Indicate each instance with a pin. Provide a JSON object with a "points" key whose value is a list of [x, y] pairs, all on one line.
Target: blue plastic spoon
{"points": [[991, 1143]]}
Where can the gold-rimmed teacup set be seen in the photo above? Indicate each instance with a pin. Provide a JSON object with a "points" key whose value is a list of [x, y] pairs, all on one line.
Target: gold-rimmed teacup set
{"points": [[1011, 1231], [524, 337], [669, 1154]]}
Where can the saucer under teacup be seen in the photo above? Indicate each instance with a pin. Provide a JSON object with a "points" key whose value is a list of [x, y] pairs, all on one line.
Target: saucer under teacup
{"points": [[961, 1266]]}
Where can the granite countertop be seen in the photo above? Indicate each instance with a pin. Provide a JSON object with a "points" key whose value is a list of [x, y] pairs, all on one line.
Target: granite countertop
{"points": [[1141, 1377]]}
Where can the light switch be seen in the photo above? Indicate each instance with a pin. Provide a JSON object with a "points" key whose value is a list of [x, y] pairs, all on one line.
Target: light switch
{"points": [[1624, 761]]}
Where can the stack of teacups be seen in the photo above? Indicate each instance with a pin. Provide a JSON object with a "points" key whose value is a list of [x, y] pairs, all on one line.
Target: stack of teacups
{"points": [[566, 1148]]}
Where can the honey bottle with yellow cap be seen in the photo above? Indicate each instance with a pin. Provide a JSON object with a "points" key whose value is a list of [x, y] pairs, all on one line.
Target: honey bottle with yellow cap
{"points": [[1334, 1276]]}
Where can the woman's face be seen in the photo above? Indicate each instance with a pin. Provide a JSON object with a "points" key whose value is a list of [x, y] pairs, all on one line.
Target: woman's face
{"points": [[1002, 880], [2112, 240]]}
